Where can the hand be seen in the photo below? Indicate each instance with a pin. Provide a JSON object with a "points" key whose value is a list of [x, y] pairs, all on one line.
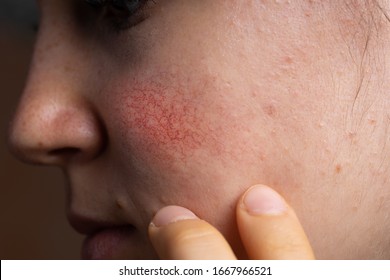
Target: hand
{"points": [[268, 227]]}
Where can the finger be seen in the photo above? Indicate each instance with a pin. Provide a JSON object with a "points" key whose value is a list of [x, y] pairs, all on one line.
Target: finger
{"points": [[177, 234], [269, 228]]}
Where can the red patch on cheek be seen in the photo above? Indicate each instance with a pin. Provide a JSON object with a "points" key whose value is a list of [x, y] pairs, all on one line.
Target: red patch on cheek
{"points": [[165, 122]]}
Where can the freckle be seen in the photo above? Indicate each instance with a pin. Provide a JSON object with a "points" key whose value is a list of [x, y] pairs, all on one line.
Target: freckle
{"points": [[338, 168], [68, 68], [372, 122]]}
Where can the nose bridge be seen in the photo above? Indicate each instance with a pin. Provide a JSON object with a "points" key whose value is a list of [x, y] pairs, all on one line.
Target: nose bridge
{"points": [[57, 59], [55, 120]]}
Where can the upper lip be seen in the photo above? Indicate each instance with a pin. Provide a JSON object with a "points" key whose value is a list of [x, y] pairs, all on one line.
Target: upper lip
{"points": [[88, 226]]}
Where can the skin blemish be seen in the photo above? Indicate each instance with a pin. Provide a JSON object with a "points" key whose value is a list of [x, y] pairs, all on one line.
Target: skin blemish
{"points": [[372, 122], [270, 109], [288, 60], [178, 123], [338, 168], [167, 122], [119, 203]]}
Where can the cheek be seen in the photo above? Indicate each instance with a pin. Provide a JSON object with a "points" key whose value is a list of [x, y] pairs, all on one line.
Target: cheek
{"points": [[168, 123]]}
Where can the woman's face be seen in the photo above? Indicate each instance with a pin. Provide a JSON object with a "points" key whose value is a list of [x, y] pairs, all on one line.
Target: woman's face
{"points": [[191, 102]]}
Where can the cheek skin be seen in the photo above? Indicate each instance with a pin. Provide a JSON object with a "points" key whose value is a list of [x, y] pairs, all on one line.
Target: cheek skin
{"points": [[164, 123], [198, 146], [194, 144]]}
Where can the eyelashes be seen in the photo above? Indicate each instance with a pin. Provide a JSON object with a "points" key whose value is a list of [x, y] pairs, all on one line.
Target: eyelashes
{"points": [[129, 6], [95, 3], [122, 14], [124, 5]]}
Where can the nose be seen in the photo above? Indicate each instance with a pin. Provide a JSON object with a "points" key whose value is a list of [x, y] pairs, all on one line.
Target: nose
{"points": [[55, 132], [55, 123]]}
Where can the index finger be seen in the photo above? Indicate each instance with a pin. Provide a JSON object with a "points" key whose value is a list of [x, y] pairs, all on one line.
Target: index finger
{"points": [[269, 227]]}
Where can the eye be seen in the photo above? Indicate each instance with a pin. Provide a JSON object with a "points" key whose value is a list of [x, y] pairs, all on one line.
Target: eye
{"points": [[95, 3], [122, 14], [128, 6]]}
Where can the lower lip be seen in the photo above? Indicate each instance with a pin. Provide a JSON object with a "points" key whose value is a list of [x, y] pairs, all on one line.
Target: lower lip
{"points": [[108, 243]]}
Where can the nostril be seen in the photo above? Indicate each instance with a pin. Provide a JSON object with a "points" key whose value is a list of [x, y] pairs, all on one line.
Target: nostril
{"points": [[64, 152]]}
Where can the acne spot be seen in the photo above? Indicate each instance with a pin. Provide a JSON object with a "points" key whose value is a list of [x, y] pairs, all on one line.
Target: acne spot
{"points": [[338, 168], [372, 122], [270, 110], [288, 60]]}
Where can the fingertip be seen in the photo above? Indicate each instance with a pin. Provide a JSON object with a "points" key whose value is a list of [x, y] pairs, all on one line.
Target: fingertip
{"points": [[262, 200], [269, 227], [177, 233], [171, 214]]}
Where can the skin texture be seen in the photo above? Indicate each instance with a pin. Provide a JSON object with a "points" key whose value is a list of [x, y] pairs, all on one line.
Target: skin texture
{"points": [[203, 99]]}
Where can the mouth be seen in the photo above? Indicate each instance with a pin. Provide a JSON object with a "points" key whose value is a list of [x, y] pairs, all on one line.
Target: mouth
{"points": [[111, 240], [118, 242]]}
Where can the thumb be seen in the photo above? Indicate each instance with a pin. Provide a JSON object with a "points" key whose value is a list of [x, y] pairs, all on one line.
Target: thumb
{"points": [[177, 234]]}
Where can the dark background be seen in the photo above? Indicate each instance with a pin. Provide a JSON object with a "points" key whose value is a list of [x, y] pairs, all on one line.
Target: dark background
{"points": [[32, 198]]}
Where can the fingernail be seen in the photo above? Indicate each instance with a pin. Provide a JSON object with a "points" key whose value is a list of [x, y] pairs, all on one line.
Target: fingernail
{"points": [[262, 200], [172, 214]]}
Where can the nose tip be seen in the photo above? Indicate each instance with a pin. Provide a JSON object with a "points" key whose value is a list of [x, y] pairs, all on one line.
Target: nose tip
{"points": [[55, 133]]}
